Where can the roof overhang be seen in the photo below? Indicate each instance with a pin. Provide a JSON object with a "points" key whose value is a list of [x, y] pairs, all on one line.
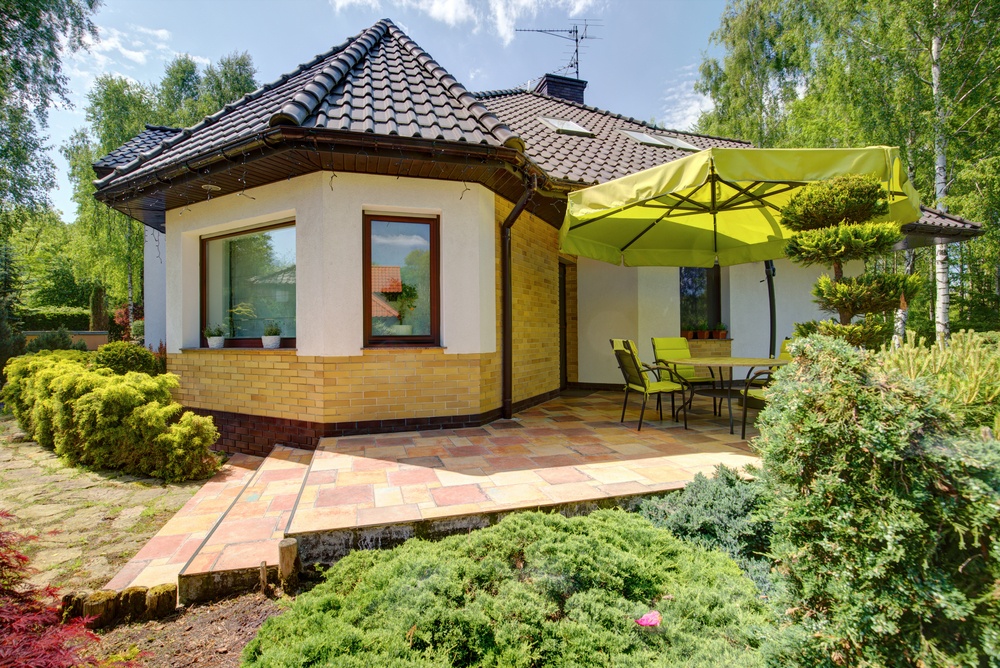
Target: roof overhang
{"points": [[284, 152]]}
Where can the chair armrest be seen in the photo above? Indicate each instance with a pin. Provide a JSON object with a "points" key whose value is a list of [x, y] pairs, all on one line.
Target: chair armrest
{"points": [[755, 378]]}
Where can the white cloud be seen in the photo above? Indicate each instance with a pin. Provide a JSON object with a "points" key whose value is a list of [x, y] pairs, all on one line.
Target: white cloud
{"points": [[111, 41], [161, 34], [474, 73], [409, 240], [501, 15], [682, 105]]}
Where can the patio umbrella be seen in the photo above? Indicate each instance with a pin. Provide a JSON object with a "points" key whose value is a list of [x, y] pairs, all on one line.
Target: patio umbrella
{"points": [[719, 205]]}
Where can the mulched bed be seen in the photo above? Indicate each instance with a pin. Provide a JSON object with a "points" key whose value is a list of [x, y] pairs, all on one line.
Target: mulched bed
{"points": [[211, 634]]}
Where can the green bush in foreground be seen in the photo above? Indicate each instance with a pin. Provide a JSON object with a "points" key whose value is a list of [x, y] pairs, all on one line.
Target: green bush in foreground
{"points": [[885, 522], [534, 590], [124, 356], [722, 513], [92, 417]]}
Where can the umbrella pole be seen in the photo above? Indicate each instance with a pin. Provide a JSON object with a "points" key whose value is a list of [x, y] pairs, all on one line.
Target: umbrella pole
{"points": [[769, 277]]}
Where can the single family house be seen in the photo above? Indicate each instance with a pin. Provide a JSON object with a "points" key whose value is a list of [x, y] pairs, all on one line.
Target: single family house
{"points": [[403, 233]]}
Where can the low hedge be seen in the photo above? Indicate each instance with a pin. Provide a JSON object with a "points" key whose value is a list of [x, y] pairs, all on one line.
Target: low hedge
{"points": [[45, 318], [535, 590], [129, 423], [124, 356]]}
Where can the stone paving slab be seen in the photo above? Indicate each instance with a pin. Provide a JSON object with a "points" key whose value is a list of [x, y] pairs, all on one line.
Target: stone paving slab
{"points": [[163, 557]]}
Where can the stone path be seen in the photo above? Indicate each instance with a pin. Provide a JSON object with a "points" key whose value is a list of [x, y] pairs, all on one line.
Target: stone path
{"points": [[568, 452], [88, 524]]}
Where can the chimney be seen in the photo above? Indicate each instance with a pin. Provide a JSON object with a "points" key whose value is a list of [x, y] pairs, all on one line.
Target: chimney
{"points": [[564, 88]]}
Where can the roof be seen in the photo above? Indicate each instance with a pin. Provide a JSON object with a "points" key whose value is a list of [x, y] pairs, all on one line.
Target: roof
{"points": [[607, 155], [382, 309], [386, 279], [378, 82], [147, 140], [934, 223]]}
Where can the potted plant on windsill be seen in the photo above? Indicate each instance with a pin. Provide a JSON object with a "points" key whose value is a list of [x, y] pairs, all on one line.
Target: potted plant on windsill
{"points": [[702, 330], [687, 329], [271, 338], [721, 330], [214, 336]]}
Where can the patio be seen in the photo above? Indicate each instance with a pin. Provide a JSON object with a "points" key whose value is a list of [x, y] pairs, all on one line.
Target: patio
{"points": [[570, 454]]}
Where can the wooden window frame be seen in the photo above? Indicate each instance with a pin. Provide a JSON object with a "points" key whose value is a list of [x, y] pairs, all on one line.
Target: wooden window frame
{"points": [[248, 342], [434, 338]]}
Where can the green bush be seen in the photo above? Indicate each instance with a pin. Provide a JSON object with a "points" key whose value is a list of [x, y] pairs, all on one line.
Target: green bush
{"points": [[92, 417], [124, 356], [965, 373], [720, 513], [534, 590], [57, 340], [884, 521], [44, 318]]}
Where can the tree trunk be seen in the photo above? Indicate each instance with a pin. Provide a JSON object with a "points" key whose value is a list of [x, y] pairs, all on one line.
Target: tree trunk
{"points": [[940, 188], [903, 311]]}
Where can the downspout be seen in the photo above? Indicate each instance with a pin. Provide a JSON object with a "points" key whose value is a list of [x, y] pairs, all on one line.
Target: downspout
{"points": [[507, 297]]}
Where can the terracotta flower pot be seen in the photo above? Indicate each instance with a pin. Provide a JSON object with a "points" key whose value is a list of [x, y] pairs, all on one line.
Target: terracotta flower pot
{"points": [[687, 333], [703, 333], [721, 334]]}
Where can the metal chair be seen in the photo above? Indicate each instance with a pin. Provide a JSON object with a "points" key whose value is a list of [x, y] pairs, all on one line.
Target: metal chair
{"points": [[676, 347], [636, 380], [752, 395]]}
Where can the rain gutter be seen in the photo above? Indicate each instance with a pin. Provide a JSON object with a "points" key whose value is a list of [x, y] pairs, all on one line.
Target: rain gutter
{"points": [[507, 299]]}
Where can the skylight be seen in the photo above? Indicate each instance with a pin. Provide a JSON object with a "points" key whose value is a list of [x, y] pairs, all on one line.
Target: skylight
{"points": [[564, 127], [659, 140]]}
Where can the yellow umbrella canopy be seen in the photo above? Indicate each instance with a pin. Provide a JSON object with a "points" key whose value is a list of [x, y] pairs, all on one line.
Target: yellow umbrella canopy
{"points": [[719, 204]]}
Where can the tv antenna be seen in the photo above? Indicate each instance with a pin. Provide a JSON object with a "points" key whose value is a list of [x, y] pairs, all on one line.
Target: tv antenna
{"points": [[575, 35]]}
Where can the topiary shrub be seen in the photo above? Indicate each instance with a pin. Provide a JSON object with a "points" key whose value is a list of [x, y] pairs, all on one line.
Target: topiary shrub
{"points": [[721, 513], [124, 356], [534, 590], [885, 522], [92, 417]]}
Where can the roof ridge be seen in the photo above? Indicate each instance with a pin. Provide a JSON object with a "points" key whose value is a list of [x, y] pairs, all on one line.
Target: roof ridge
{"points": [[612, 114], [309, 96], [183, 133], [946, 214], [500, 92], [486, 118]]}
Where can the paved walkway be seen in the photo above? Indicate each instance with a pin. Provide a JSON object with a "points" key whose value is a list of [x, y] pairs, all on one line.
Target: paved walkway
{"points": [[569, 450]]}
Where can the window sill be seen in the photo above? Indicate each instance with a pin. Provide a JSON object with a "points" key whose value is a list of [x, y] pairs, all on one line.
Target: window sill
{"points": [[238, 350]]}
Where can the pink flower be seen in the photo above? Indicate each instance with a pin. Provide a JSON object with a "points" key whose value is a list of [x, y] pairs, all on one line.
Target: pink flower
{"points": [[651, 618]]}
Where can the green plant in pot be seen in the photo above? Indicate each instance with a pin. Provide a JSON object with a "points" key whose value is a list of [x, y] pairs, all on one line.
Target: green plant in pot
{"points": [[703, 330], [687, 329], [404, 304], [721, 330], [215, 336], [271, 338]]}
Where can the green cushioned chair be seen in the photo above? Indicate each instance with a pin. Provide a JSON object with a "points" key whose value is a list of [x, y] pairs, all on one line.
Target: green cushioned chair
{"points": [[636, 378], [752, 395], [676, 347]]}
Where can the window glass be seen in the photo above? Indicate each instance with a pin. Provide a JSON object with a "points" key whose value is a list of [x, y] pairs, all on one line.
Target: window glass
{"points": [[250, 282], [401, 266], [701, 305]]}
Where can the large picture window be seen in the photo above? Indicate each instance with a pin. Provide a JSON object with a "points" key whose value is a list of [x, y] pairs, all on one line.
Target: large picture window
{"points": [[401, 280], [248, 283], [701, 297]]}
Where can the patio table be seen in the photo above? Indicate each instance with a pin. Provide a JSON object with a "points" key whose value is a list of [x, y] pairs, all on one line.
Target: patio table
{"points": [[720, 363]]}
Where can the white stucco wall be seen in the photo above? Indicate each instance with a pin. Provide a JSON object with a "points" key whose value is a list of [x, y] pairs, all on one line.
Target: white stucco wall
{"points": [[154, 286], [328, 211]]}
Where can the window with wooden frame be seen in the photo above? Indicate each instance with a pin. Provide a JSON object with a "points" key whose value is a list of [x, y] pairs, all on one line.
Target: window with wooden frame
{"points": [[248, 285], [401, 285]]}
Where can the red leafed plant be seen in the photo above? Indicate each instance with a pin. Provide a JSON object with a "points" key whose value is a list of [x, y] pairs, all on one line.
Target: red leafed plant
{"points": [[31, 634]]}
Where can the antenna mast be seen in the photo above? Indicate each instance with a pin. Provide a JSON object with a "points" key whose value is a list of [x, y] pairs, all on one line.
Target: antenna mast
{"points": [[575, 35]]}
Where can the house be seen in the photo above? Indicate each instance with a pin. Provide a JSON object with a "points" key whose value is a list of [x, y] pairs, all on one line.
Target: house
{"points": [[370, 185]]}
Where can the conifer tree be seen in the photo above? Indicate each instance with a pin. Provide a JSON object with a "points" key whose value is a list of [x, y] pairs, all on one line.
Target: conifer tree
{"points": [[836, 222]]}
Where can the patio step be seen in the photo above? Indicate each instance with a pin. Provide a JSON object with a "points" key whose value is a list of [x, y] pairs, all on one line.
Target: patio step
{"points": [[162, 558], [229, 556]]}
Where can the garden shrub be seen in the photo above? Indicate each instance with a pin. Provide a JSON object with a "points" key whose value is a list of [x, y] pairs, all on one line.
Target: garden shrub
{"points": [[45, 318], [720, 513], [534, 590], [124, 356], [884, 521], [57, 340], [30, 630], [965, 373], [128, 423]]}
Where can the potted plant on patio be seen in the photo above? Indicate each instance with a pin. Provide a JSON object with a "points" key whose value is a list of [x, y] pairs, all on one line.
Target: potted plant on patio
{"points": [[721, 330], [703, 332], [271, 338], [214, 336]]}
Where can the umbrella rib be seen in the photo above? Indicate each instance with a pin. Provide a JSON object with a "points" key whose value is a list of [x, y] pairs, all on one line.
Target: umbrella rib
{"points": [[757, 198], [638, 236], [641, 202]]}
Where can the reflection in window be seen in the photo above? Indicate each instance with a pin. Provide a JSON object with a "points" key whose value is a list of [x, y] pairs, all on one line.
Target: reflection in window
{"points": [[250, 282], [701, 304], [402, 295]]}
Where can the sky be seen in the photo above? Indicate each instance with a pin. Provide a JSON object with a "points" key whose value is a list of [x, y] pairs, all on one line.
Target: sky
{"points": [[643, 62]]}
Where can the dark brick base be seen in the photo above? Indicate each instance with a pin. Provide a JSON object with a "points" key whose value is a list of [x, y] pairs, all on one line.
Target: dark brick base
{"points": [[256, 434]]}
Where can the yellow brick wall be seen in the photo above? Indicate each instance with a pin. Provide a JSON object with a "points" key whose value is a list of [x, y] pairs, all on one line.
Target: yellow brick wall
{"points": [[572, 340], [383, 384]]}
